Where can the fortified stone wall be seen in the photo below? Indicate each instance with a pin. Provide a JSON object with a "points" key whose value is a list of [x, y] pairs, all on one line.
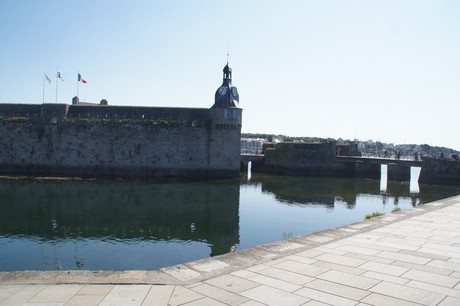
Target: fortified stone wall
{"points": [[300, 154], [131, 112], [20, 110], [106, 141], [309, 159], [444, 171]]}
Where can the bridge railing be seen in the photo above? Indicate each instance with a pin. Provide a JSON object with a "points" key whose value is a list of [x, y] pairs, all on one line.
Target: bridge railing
{"points": [[381, 156]]}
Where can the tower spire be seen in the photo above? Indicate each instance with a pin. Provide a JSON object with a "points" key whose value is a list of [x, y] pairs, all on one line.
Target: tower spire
{"points": [[228, 53], [227, 94]]}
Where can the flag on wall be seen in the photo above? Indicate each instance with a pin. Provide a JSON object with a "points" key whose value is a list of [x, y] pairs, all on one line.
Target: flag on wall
{"points": [[59, 75], [80, 79], [47, 78]]}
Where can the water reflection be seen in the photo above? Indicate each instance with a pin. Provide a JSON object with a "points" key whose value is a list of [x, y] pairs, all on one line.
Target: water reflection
{"points": [[414, 176], [292, 190], [383, 178], [108, 211], [48, 225]]}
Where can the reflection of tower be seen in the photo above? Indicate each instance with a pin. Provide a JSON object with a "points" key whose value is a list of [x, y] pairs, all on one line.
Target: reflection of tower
{"points": [[221, 217]]}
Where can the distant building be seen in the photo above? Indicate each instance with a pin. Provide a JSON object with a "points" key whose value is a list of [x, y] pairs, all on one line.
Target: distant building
{"points": [[251, 146]]}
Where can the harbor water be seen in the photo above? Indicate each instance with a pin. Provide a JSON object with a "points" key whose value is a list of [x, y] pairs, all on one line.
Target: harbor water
{"points": [[48, 224]]}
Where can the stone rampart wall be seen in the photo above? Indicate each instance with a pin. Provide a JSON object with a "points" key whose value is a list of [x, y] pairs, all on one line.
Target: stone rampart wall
{"points": [[300, 154], [445, 171], [128, 142], [102, 112], [20, 110], [304, 159], [129, 112]]}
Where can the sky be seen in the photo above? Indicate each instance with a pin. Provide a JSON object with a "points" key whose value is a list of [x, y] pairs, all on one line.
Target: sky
{"points": [[386, 70]]}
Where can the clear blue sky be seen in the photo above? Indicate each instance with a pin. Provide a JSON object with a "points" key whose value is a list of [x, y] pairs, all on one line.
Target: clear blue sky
{"points": [[382, 70]]}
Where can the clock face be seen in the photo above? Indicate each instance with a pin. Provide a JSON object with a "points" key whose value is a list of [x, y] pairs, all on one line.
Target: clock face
{"points": [[234, 92], [222, 90]]}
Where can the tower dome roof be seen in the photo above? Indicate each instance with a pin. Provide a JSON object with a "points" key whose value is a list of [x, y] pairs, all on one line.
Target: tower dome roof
{"points": [[227, 94], [227, 69]]}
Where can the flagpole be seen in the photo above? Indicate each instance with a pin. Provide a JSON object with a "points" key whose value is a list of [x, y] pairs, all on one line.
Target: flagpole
{"points": [[43, 88], [57, 71], [78, 81]]}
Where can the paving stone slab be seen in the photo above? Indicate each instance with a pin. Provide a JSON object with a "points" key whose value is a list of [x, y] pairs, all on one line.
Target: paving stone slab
{"points": [[325, 297], [348, 279], [434, 288], [341, 260], [284, 275], [56, 294], [272, 296], [408, 294], [383, 268], [449, 301], [431, 278], [219, 294], [301, 268], [379, 299], [18, 294], [403, 257], [275, 283], [85, 300], [159, 295], [231, 283], [337, 267], [338, 289], [183, 295], [205, 302]]}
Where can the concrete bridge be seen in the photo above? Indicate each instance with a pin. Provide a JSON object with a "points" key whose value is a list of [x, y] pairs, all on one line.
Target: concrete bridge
{"points": [[246, 158], [349, 166], [370, 167], [380, 161]]}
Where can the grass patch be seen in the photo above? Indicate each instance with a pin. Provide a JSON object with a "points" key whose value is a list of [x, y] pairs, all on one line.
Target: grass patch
{"points": [[396, 209], [373, 215]]}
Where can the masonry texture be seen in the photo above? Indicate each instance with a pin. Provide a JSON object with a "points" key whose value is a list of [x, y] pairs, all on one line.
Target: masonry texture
{"points": [[116, 141], [309, 159]]}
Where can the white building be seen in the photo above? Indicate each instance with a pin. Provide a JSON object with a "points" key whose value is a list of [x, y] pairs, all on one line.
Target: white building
{"points": [[251, 146]]}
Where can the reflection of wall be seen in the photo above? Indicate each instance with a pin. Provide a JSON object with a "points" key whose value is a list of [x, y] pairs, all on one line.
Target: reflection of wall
{"points": [[207, 212], [321, 191]]}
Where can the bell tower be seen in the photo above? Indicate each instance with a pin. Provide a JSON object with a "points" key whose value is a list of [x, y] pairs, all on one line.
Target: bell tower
{"points": [[227, 94], [225, 132]]}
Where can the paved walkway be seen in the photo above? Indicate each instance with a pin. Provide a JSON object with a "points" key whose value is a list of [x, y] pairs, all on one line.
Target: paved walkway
{"points": [[408, 258]]}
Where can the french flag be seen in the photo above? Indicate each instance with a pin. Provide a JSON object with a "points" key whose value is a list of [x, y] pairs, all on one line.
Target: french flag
{"points": [[80, 79]]}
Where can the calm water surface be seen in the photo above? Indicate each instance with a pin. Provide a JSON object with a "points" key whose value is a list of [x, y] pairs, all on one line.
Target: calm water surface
{"points": [[113, 225]]}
